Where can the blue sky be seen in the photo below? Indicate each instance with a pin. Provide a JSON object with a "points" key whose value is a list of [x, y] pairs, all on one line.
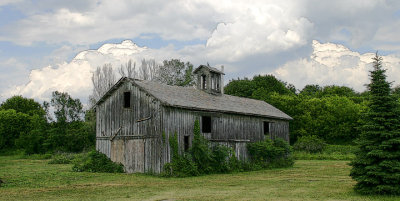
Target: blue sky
{"points": [[301, 42]]}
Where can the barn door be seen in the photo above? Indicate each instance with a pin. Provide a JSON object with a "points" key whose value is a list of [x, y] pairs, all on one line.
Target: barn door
{"points": [[134, 155]]}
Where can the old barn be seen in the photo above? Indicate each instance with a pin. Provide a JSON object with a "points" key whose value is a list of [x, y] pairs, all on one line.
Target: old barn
{"points": [[135, 119]]}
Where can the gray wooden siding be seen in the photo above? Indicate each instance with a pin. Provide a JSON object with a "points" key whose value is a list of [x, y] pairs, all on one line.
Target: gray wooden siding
{"points": [[136, 144], [227, 129]]}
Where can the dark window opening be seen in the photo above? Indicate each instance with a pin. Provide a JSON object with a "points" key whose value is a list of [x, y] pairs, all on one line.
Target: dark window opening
{"points": [[266, 127], [204, 83], [206, 124], [186, 143], [127, 99]]}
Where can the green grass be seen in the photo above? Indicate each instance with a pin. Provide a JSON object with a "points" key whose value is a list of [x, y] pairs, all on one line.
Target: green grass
{"points": [[331, 152], [29, 179]]}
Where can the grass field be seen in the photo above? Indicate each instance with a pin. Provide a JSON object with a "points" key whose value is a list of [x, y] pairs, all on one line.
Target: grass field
{"points": [[28, 179]]}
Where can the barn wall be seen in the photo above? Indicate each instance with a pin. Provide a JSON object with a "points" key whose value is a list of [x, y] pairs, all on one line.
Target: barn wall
{"points": [[131, 136], [227, 129]]}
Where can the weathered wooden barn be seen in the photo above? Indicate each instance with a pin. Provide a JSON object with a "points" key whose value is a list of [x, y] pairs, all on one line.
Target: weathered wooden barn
{"points": [[135, 119]]}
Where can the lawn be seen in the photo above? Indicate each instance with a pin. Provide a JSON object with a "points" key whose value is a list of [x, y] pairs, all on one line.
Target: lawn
{"points": [[28, 179]]}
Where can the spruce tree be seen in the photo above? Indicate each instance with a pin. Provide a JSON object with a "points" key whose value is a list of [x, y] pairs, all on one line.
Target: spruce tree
{"points": [[376, 167]]}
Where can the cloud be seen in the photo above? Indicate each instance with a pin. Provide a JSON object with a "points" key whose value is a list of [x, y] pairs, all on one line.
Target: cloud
{"points": [[259, 28], [104, 20], [333, 64]]}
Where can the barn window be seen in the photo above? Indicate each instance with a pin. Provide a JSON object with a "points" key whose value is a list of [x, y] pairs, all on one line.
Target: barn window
{"points": [[127, 99], [206, 124], [203, 82], [266, 127], [186, 142]]}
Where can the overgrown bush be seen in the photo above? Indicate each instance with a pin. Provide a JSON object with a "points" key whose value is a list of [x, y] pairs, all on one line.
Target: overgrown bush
{"points": [[311, 144], [181, 165], [270, 154], [97, 162]]}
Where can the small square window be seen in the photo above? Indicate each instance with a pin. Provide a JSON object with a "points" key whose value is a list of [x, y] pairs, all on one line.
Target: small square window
{"points": [[127, 99], [206, 124]]}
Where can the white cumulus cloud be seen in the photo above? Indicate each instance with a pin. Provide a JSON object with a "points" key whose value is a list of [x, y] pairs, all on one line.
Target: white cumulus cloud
{"points": [[74, 77], [333, 64]]}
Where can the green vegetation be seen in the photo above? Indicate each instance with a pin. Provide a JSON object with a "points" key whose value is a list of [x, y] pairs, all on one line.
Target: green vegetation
{"points": [[206, 158], [310, 144], [28, 179], [270, 154], [95, 161], [332, 113], [330, 152], [27, 125], [376, 167]]}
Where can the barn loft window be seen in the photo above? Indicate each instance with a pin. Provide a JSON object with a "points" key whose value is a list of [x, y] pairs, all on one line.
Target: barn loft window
{"points": [[266, 127], [186, 142], [127, 99], [206, 124], [203, 82]]}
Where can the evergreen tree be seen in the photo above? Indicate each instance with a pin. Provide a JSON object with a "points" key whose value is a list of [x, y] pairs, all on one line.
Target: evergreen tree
{"points": [[376, 167]]}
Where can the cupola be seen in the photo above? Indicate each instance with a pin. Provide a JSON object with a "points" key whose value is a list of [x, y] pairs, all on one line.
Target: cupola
{"points": [[209, 79]]}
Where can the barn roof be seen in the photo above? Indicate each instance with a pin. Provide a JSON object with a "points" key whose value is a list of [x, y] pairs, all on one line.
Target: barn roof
{"points": [[192, 98]]}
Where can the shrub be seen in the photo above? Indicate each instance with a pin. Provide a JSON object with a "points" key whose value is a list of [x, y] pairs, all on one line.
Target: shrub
{"points": [[311, 144], [201, 152], [270, 154], [181, 165], [97, 162], [220, 159]]}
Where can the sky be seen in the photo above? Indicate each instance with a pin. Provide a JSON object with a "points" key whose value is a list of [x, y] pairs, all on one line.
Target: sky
{"points": [[48, 45]]}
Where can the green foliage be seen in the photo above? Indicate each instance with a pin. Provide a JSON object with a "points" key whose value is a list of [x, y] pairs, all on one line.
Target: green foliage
{"points": [[23, 105], [259, 84], [331, 152], [12, 124], [66, 108], [176, 72], [270, 153], [376, 167], [97, 162], [62, 158], [181, 165], [219, 159], [311, 144], [333, 113], [79, 137], [200, 151], [206, 158]]}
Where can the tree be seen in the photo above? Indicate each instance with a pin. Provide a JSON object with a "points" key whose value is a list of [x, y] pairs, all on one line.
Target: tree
{"points": [[127, 70], [12, 124], [102, 79], [376, 167], [176, 72], [66, 109], [311, 90], [23, 105]]}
